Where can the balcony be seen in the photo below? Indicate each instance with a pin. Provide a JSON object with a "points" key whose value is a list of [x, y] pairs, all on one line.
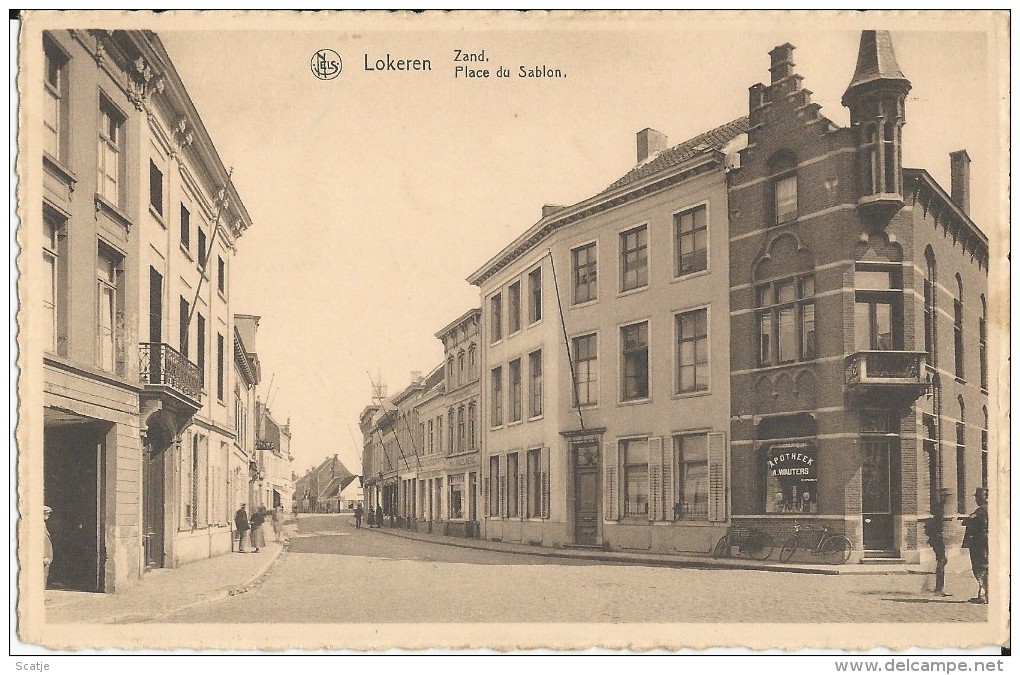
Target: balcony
{"points": [[170, 379], [885, 377]]}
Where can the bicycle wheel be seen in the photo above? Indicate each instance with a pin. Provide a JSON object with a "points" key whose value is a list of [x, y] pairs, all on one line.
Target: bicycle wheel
{"points": [[759, 545], [722, 547], [836, 550], [789, 548]]}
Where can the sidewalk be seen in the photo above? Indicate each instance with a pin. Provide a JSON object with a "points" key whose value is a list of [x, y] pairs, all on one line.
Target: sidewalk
{"points": [[657, 559], [165, 591]]}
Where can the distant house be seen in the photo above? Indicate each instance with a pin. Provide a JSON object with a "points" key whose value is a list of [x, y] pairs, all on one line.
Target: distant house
{"points": [[324, 489]]}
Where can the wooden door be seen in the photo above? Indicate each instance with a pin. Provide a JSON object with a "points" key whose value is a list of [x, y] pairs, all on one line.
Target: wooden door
{"points": [[586, 494]]}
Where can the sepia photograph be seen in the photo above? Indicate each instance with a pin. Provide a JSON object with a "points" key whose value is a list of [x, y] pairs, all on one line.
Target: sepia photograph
{"points": [[512, 330]]}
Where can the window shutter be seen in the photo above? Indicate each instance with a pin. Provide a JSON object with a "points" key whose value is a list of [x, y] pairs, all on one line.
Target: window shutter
{"points": [[668, 500], [654, 479], [522, 490], [545, 482], [485, 499], [502, 486], [717, 476], [612, 457]]}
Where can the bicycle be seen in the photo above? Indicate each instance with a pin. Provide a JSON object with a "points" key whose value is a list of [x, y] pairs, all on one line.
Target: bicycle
{"points": [[834, 549], [752, 543]]}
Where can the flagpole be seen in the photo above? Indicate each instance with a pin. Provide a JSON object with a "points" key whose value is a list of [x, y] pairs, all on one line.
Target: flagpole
{"points": [[205, 262], [566, 341]]}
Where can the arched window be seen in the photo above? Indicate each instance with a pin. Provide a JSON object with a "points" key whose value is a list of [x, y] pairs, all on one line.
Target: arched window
{"points": [[461, 430], [450, 373], [472, 363], [451, 443], [983, 343], [961, 460], [984, 447], [461, 374], [472, 426], [930, 314], [958, 327], [783, 168]]}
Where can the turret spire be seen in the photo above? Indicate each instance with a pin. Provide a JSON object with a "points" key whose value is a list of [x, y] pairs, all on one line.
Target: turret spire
{"points": [[876, 60]]}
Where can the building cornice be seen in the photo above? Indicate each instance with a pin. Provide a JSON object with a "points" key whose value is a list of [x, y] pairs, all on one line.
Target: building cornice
{"points": [[934, 200]]}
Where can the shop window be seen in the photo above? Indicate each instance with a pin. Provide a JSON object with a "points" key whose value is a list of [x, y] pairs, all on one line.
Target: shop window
{"points": [[791, 472], [635, 476], [585, 273], [691, 232], [634, 347], [634, 258], [690, 471], [457, 497], [785, 321], [878, 307]]}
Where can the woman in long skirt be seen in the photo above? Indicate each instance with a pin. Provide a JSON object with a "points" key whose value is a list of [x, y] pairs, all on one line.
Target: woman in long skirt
{"points": [[258, 534]]}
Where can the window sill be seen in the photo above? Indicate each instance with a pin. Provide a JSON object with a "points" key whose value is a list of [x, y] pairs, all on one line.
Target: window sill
{"points": [[187, 253], [960, 380], [692, 394], [158, 216], [495, 342], [59, 167], [632, 291], [535, 323], [586, 303], [639, 519], [513, 333], [496, 428], [691, 275], [223, 297], [516, 423], [536, 418], [636, 401], [112, 210]]}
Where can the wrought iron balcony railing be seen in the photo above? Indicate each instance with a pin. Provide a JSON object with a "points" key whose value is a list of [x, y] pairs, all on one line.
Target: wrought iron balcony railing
{"points": [[886, 371], [159, 364]]}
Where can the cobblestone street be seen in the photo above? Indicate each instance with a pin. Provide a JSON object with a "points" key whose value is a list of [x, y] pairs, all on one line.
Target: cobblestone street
{"points": [[333, 573]]}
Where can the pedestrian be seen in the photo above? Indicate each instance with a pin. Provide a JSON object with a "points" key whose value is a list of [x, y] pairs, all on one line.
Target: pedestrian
{"points": [[278, 522], [378, 515], [975, 539], [934, 528], [258, 535], [48, 552], [241, 527], [359, 513]]}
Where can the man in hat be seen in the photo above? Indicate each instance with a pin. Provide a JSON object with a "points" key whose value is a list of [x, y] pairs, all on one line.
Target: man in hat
{"points": [[241, 526], [934, 528], [48, 553], [975, 539]]}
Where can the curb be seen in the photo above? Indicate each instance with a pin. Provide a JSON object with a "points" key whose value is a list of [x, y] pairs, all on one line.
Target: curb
{"points": [[679, 563], [222, 595]]}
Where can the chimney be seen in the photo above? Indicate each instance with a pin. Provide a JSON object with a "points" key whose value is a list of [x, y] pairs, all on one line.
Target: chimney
{"points": [[959, 181], [782, 62], [415, 377], [649, 142], [549, 209]]}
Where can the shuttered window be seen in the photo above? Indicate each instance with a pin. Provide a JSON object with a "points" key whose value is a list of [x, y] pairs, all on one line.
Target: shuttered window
{"points": [[545, 483], [610, 481], [717, 476], [654, 506]]}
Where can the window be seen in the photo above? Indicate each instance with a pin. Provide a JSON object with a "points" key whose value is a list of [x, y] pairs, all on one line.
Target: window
{"points": [[535, 294], [185, 228], [200, 348], [791, 483], [492, 486], [496, 399], [984, 447], [691, 232], [634, 258], [535, 384], [219, 366], [983, 344], [512, 496], [586, 370], [635, 477], [155, 187], [452, 435], [461, 431], [534, 483], [54, 114], [439, 434], [515, 390], [961, 465], [201, 248], [221, 275], [691, 475], [431, 438], [585, 266], [189, 457], [496, 316], [450, 373], [461, 374], [472, 362], [634, 343], [514, 307], [110, 146], [930, 313], [786, 199], [958, 328], [878, 308], [457, 497], [786, 321], [108, 301], [184, 314], [692, 351], [51, 291], [472, 425]]}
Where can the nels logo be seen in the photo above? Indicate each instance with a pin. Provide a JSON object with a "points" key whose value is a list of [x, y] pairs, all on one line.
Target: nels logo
{"points": [[326, 64]]}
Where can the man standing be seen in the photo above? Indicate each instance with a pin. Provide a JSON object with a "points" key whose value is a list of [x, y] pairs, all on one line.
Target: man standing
{"points": [[48, 553], [975, 539], [359, 513], [934, 528], [241, 527], [378, 515]]}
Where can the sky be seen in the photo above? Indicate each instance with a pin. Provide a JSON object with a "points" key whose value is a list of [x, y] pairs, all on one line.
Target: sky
{"points": [[375, 194]]}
